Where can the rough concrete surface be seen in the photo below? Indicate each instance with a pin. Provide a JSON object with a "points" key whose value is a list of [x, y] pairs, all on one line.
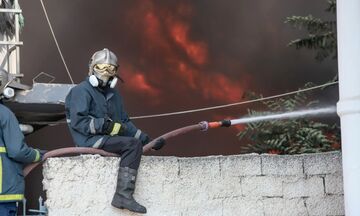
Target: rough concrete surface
{"points": [[254, 185]]}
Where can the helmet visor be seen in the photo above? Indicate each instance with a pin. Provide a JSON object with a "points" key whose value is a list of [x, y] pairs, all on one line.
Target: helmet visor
{"points": [[105, 69]]}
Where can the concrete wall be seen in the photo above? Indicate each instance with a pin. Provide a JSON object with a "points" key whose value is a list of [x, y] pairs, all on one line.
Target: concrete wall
{"points": [[218, 185]]}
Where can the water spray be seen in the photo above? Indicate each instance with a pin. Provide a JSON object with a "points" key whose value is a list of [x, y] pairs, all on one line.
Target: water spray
{"points": [[286, 115], [202, 126]]}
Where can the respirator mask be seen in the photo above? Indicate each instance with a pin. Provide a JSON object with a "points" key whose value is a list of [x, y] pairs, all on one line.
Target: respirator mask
{"points": [[102, 69]]}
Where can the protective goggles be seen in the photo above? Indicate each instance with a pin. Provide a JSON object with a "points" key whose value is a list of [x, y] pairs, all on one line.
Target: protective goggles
{"points": [[105, 69]]}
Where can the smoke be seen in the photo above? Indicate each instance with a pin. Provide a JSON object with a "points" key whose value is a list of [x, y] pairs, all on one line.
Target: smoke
{"points": [[137, 81], [173, 55], [177, 55], [169, 53], [196, 51]]}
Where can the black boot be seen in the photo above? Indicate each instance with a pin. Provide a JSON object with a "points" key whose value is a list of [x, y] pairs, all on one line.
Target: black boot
{"points": [[123, 197]]}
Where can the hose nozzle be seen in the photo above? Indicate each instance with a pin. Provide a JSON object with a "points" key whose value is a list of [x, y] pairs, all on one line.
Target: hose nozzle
{"points": [[223, 123]]}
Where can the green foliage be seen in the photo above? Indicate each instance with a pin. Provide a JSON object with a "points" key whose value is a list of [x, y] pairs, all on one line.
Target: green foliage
{"points": [[332, 6], [321, 35], [292, 136]]}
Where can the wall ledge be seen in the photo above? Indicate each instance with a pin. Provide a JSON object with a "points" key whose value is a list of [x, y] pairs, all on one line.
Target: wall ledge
{"points": [[250, 184]]}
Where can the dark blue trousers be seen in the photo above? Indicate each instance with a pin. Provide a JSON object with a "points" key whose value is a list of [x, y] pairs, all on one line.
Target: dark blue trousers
{"points": [[8, 209], [129, 148]]}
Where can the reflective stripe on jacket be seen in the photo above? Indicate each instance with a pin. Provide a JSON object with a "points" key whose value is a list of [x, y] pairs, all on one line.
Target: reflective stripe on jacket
{"points": [[14, 153], [87, 108]]}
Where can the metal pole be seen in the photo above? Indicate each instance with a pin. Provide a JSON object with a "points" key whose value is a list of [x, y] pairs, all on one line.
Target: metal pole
{"points": [[17, 37], [348, 107], [7, 56], [24, 206]]}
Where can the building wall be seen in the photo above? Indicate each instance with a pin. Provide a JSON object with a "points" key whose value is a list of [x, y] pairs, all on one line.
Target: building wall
{"points": [[250, 184]]}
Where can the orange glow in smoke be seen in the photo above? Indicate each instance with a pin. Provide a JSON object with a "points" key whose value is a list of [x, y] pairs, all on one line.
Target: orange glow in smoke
{"points": [[152, 24], [188, 75], [168, 51], [136, 81], [218, 86], [213, 86], [142, 84], [197, 51], [152, 31]]}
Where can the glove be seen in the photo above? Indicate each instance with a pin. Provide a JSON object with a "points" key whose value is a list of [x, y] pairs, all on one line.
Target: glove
{"points": [[159, 144], [144, 138], [114, 128]]}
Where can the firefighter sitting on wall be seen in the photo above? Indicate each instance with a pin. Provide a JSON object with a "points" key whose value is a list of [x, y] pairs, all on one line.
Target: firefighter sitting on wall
{"points": [[14, 153], [97, 119]]}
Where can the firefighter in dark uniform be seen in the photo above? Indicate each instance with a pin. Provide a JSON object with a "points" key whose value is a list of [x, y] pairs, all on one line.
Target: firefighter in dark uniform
{"points": [[97, 119], [14, 154]]}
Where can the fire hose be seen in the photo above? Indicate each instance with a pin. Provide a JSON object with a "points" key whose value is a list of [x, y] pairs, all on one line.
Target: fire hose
{"points": [[203, 126]]}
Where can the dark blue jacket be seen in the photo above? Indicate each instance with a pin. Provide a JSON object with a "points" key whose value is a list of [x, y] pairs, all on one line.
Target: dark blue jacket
{"points": [[14, 153], [87, 108]]}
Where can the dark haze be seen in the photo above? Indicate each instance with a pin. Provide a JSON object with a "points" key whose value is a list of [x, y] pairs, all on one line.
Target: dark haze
{"points": [[176, 55]]}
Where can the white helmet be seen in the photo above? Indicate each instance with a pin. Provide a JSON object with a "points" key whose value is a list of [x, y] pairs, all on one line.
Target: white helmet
{"points": [[102, 68]]}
